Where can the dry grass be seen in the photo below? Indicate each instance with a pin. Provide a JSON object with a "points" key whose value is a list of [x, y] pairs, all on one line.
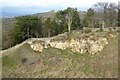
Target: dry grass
{"points": [[52, 63]]}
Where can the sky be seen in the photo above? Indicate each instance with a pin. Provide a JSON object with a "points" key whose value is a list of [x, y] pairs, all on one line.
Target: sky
{"points": [[21, 7]]}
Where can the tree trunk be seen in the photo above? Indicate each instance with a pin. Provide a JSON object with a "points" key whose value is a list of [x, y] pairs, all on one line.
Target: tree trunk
{"points": [[48, 33], [103, 25], [69, 25], [28, 34]]}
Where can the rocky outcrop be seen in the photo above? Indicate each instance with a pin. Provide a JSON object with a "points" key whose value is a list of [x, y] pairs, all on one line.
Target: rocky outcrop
{"points": [[92, 44]]}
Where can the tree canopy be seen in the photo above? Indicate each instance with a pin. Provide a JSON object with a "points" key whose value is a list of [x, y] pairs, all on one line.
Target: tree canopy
{"points": [[27, 27]]}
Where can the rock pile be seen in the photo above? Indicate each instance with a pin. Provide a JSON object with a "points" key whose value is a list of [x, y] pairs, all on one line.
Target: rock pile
{"points": [[89, 44]]}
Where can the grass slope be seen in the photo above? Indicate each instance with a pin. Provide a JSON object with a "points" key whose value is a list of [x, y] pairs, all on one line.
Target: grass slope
{"points": [[23, 62]]}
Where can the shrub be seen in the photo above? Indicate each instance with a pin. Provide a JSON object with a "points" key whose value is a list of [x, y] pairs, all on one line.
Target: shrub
{"points": [[24, 60], [87, 30], [100, 30]]}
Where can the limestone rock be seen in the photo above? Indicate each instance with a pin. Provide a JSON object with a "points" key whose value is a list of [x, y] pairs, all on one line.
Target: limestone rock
{"points": [[37, 46], [91, 43], [94, 48]]}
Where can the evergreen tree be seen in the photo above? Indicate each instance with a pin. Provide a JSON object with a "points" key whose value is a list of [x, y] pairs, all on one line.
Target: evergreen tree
{"points": [[26, 27], [76, 21]]}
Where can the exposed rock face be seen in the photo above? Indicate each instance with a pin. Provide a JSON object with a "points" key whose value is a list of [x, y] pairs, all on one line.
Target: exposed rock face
{"points": [[38, 45], [89, 44]]}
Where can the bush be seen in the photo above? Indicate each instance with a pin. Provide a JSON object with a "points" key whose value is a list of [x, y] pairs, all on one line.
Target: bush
{"points": [[100, 30], [87, 30], [24, 60]]}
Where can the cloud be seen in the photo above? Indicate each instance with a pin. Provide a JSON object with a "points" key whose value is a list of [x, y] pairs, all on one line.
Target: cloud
{"points": [[51, 3], [36, 6]]}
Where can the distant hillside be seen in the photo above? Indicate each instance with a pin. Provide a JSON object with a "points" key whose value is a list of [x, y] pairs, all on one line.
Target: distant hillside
{"points": [[7, 28], [50, 14]]}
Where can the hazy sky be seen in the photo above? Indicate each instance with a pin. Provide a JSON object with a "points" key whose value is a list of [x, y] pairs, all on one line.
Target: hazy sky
{"points": [[47, 5]]}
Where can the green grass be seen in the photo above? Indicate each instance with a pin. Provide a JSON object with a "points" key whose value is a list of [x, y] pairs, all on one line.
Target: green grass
{"points": [[9, 63]]}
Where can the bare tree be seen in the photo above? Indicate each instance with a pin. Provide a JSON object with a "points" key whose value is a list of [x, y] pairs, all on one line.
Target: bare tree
{"points": [[101, 8], [108, 13], [69, 17], [119, 14], [90, 15]]}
